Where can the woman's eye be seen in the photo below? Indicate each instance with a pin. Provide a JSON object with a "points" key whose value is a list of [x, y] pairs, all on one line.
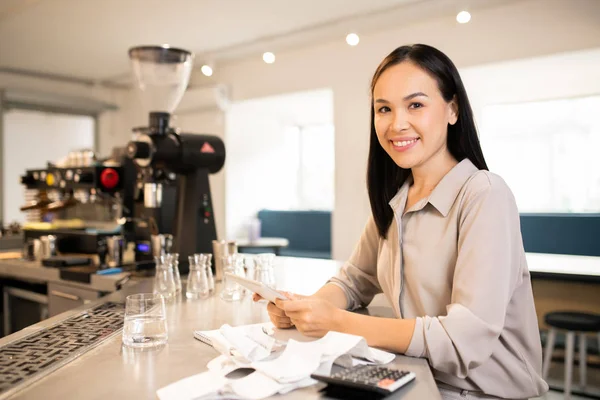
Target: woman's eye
{"points": [[415, 105], [383, 109]]}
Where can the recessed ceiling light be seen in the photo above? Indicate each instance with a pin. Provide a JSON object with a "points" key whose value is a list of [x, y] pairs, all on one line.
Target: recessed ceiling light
{"points": [[463, 17], [352, 39], [206, 70], [269, 57]]}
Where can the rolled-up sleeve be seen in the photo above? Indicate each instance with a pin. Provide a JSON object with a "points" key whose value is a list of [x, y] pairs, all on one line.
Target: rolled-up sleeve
{"points": [[358, 276], [486, 274]]}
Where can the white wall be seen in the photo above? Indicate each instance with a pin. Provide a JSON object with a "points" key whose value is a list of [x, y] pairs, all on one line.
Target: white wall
{"points": [[111, 124], [262, 158], [516, 30]]}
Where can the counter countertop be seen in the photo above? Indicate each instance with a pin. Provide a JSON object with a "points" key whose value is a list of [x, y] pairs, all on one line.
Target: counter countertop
{"points": [[564, 266], [34, 271], [112, 370]]}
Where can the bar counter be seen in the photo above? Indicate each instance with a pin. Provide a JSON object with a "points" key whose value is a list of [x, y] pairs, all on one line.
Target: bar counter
{"points": [[111, 370]]}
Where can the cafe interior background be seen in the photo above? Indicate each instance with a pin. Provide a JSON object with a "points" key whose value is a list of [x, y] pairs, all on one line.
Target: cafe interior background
{"points": [[285, 85]]}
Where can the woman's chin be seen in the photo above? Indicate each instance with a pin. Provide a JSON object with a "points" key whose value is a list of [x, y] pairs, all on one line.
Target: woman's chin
{"points": [[405, 162]]}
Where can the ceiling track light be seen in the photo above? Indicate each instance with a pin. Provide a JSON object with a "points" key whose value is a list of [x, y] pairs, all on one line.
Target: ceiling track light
{"points": [[269, 57], [463, 17], [207, 70], [352, 39]]}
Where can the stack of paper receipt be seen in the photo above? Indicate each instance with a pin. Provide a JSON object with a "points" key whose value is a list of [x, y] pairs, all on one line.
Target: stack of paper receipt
{"points": [[275, 370]]}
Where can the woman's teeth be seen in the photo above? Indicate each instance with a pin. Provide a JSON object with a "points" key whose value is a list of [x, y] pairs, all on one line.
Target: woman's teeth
{"points": [[405, 142]]}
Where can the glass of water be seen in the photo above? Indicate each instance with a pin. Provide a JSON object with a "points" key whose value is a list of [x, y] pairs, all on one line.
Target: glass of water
{"points": [[145, 320]]}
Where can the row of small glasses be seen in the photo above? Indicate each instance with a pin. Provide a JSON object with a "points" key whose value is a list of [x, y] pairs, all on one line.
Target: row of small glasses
{"points": [[200, 283], [145, 313]]}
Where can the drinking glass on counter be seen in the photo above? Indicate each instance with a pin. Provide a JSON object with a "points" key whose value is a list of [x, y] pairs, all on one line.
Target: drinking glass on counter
{"points": [[145, 320], [222, 248], [231, 290], [263, 271], [206, 259], [198, 285], [164, 280]]}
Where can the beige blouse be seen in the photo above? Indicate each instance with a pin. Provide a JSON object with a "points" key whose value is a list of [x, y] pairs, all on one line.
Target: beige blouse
{"points": [[455, 262]]}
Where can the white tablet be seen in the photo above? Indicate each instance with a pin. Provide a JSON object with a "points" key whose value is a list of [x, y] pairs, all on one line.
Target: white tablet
{"points": [[258, 287]]}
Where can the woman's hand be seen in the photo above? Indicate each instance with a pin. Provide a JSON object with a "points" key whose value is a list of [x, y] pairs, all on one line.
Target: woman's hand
{"points": [[312, 316], [276, 314]]}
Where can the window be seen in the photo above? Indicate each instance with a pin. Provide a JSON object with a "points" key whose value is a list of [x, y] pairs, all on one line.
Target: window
{"points": [[315, 166], [280, 155], [547, 152]]}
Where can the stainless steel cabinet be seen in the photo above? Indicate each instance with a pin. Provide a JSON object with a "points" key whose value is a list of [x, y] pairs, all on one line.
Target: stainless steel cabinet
{"points": [[22, 307], [62, 298]]}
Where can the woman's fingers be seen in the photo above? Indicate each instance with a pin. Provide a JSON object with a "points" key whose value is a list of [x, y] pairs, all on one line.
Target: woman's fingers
{"points": [[281, 322], [274, 310], [256, 297]]}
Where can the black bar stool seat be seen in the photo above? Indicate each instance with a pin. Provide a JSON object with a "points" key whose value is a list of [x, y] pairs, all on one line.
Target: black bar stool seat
{"points": [[573, 321]]}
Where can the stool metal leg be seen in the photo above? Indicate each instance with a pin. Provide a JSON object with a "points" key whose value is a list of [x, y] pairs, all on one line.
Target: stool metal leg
{"points": [[569, 364], [548, 352], [582, 360]]}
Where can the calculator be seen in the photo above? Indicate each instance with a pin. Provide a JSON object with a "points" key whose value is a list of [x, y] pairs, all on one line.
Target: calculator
{"points": [[371, 378]]}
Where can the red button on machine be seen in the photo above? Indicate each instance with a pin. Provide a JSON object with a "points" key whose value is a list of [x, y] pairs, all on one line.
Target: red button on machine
{"points": [[109, 178]]}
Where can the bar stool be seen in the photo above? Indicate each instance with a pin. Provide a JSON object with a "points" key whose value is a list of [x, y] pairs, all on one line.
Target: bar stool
{"points": [[572, 322]]}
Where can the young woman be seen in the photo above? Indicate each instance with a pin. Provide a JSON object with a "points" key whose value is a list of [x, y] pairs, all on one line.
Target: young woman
{"points": [[443, 243]]}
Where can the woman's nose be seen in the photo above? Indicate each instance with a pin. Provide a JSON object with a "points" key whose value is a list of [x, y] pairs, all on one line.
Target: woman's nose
{"points": [[400, 122]]}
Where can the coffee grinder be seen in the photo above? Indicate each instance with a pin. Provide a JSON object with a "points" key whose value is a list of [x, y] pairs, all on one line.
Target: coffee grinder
{"points": [[169, 159]]}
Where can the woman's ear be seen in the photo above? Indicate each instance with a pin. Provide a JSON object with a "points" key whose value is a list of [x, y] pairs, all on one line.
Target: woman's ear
{"points": [[453, 111]]}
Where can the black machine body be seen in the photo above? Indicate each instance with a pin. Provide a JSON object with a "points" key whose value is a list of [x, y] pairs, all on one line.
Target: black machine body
{"points": [[174, 169]]}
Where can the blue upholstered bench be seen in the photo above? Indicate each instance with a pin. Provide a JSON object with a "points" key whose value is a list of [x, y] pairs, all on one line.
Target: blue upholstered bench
{"points": [[309, 232], [575, 234]]}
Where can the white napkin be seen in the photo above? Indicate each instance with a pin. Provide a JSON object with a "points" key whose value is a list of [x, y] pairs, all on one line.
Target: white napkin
{"points": [[248, 348], [297, 362], [289, 371]]}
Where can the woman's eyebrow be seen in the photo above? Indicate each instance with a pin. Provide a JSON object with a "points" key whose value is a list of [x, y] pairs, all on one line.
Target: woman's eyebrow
{"points": [[406, 98]]}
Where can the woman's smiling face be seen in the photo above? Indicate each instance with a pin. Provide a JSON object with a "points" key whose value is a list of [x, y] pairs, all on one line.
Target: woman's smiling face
{"points": [[411, 116]]}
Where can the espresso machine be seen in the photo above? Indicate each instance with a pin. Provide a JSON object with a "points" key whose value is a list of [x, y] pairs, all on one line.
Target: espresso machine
{"points": [[173, 166], [72, 206]]}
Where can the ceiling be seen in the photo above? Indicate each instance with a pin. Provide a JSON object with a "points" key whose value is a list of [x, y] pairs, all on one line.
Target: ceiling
{"points": [[89, 39]]}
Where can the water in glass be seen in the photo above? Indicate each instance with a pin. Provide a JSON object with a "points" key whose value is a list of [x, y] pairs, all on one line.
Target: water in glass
{"points": [[145, 320]]}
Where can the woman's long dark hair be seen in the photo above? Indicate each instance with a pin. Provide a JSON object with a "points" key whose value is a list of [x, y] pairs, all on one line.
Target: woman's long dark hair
{"points": [[384, 177]]}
